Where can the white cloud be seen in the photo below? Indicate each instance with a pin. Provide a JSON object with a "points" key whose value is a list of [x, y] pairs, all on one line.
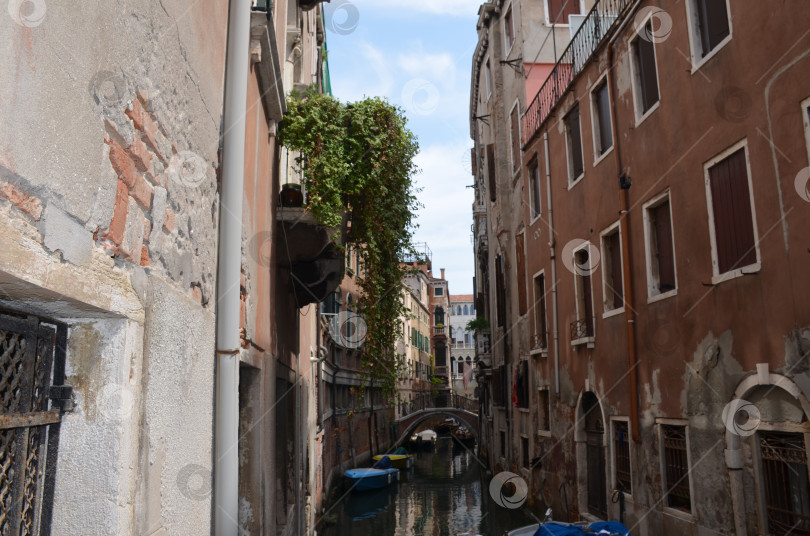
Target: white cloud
{"points": [[455, 8]]}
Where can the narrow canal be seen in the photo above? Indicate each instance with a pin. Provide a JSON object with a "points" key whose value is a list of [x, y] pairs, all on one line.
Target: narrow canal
{"points": [[445, 494]]}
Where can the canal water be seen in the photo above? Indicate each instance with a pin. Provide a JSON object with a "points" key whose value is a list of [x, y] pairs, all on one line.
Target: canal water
{"points": [[445, 494]]}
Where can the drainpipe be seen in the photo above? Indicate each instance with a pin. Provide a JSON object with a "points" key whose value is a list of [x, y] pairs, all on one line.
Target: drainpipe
{"points": [[627, 274], [226, 432], [552, 242]]}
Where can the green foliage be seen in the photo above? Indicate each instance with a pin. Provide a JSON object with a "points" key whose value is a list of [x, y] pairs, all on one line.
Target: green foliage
{"points": [[477, 324], [360, 158]]}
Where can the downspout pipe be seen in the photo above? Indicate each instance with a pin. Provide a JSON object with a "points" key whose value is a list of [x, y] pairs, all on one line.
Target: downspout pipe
{"points": [[226, 427], [552, 243], [627, 273]]}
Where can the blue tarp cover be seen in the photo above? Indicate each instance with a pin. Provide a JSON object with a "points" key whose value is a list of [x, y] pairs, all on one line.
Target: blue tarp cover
{"points": [[562, 529]]}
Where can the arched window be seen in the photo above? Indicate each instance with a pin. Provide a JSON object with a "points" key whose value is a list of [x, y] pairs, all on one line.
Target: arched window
{"points": [[458, 310], [439, 315], [472, 309], [466, 310], [468, 338]]}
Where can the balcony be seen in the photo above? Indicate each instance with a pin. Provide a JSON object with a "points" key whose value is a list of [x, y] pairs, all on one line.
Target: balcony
{"points": [[582, 332], [538, 343], [603, 18], [437, 330]]}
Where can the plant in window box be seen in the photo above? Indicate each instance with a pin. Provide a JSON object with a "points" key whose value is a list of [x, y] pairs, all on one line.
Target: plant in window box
{"points": [[359, 159]]}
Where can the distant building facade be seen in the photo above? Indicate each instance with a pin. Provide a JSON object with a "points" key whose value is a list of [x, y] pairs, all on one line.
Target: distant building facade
{"points": [[462, 345]]}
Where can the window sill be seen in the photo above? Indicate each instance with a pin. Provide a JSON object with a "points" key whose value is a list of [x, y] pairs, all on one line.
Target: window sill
{"points": [[603, 155], [544, 433], [643, 117], [524, 410], [539, 351], [572, 183], [584, 340], [696, 65], [613, 312], [663, 296], [534, 218], [734, 274], [680, 514]]}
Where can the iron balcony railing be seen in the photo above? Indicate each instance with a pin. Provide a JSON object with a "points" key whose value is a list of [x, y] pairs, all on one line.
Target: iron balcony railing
{"points": [[602, 18], [581, 329], [538, 341]]}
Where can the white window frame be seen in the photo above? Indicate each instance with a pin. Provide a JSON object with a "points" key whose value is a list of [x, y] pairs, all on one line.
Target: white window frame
{"points": [[613, 482], [547, 18], [541, 351], [641, 116], [573, 181], [540, 389], [675, 512], [507, 46], [652, 290], [717, 277], [533, 217], [615, 227], [515, 172], [595, 120], [583, 340], [806, 122], [695, 46]]}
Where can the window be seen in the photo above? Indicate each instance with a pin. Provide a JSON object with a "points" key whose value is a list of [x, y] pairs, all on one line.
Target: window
{"points": [[498, 387], [491, 171], [660, 247], [466, 310], [503, 443], [709, 26], [732, 226], [602, 126], [645, 76], [438, 291], [522, 384], [806, 121], [613, 294], [524, 449], [557, 11], [582, 327], [508, 29], [534, 188], [520, 260], [785, 481], [488, 78], [514, 122], [675, 460], [500, 290], [543, 411], [540, 339], [621, 456], [573, 137]]}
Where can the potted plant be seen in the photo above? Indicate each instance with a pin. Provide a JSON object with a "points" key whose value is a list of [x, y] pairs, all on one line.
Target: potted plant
{"points": [[291, 195]]}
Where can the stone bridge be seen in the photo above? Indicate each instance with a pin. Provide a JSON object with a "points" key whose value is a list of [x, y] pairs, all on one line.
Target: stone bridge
{"points": [[405, 426]]}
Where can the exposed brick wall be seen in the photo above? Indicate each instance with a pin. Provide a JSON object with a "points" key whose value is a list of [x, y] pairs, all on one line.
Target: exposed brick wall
{"points": [[21, 199]]}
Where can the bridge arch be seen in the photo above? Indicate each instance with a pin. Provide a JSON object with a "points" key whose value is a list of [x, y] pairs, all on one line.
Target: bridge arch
{"points": [[405, 426]]}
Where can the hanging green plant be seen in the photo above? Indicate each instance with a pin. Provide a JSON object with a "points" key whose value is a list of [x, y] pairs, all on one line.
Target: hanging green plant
{"points": [[359, 158]]}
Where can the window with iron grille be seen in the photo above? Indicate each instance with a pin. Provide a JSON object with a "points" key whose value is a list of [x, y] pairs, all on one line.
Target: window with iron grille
{"points": [[709, 25], [785, 480], [646, 76], [676, 467], [573, 138], [32, 399], [602, 128], [621, 456], [732, 215]]}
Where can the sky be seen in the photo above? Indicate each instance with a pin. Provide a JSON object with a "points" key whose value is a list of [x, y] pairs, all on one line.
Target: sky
{"points": [[418, 55]]}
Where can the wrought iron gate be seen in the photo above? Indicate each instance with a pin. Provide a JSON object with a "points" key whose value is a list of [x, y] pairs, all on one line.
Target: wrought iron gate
{"points": [[32, 398]]}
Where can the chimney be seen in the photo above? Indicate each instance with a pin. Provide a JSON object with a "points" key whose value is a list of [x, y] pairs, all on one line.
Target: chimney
{"points": [[442, 273]]}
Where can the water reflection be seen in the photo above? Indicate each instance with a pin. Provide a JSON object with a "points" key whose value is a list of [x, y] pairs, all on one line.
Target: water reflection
{"points": [[444, 494]]}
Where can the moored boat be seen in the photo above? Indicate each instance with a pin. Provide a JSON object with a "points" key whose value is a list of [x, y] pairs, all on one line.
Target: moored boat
{"points": [[423, 439], [402, 462], [368, 478], [464, 436], [449, 426]]}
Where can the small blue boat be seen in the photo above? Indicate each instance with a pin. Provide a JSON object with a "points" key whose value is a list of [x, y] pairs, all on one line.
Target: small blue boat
{"points": [[368, 478]]}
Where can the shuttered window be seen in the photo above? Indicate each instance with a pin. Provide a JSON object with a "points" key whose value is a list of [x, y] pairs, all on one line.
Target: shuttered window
{"points": [[603, 134], [574, 138], [559, 10], [646, 78], [515, 126], [612, 271], [534, 177], [662, 252], [731, 206], [713, 27], [491, 170], [521, 273]]}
